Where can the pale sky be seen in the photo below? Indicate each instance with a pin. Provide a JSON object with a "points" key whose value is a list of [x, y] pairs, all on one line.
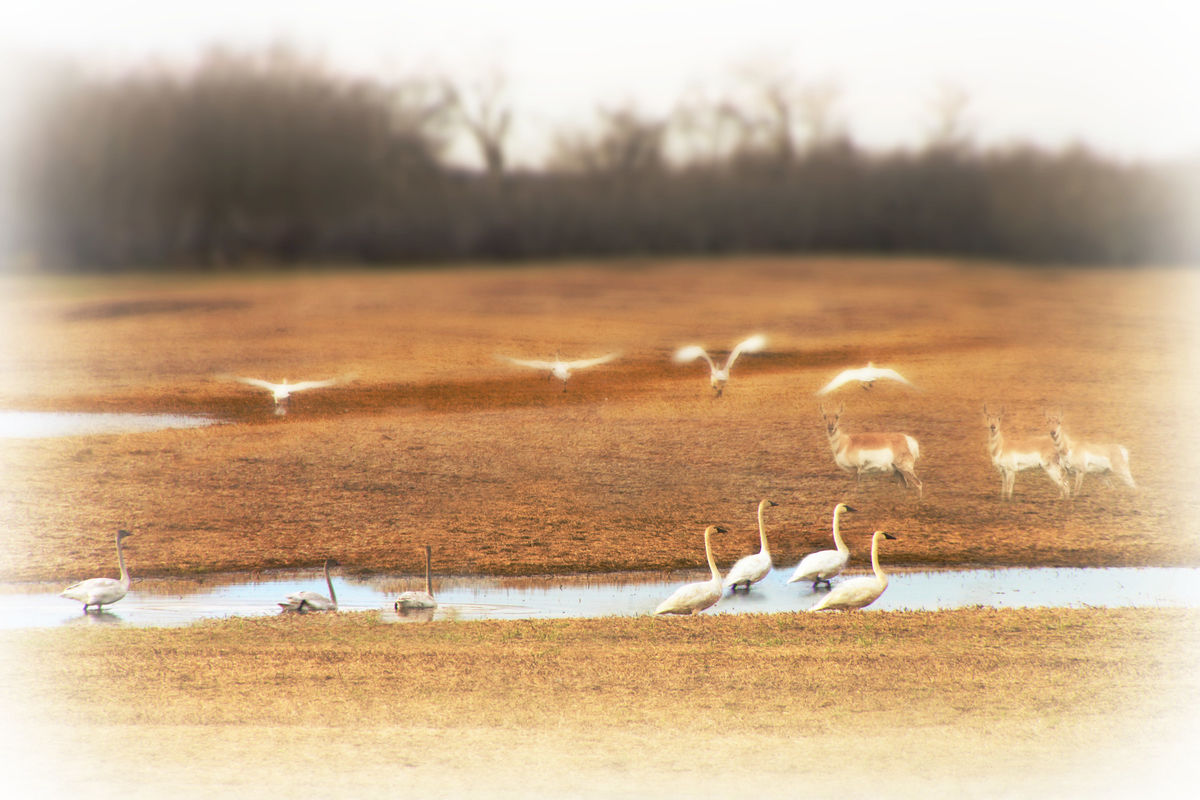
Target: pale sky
{"points": [[1121, 76]]}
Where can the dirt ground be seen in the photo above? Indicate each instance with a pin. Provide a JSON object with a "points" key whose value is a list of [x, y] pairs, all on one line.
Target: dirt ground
{"points": [[436, 440]]}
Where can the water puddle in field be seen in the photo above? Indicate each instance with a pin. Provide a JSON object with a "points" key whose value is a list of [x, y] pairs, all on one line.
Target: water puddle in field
{"points": [[166, 602], [51, 424]]}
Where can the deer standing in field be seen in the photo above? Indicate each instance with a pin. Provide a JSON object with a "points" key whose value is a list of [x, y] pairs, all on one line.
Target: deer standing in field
{"points": [[895, 453], [1011, 456], [1080, 458]]}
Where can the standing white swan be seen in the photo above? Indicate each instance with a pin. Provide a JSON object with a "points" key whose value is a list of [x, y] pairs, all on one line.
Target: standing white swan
{"points": [[752, 568], [719, 376], [311, 601], [100, 592], [865, 375], [821, 566], [414, 600], [562, 369], [282, 392], [693, 597], [858, 592]]}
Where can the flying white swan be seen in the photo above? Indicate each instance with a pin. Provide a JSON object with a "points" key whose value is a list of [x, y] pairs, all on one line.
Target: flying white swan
{"points": [[752, 568], [693, 597], [865, 375], [282, 392], [415, 600], [719, 376], [822, 565], [100, 592], [858, 592], [304, 601], [562, 369]]}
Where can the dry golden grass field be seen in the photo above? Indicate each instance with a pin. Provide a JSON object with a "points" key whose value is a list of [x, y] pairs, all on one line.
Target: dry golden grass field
{"points": [[438, 441], [435, 440]]}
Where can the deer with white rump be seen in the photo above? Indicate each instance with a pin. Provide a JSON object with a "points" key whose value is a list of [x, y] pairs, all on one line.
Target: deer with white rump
{"points": [[1011, 456], [1080, 458], [894, 453]]}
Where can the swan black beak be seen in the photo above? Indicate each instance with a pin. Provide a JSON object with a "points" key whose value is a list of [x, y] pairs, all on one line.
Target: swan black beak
{"points": [[888, 536], [848, 508]]}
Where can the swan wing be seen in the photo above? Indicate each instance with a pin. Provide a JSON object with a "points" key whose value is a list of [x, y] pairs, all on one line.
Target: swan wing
{"points": [[591, 362], [751, 568], [522, 362], [855, 593], [691, 353], [259, 382], [751, 345], [892, 375], [416, 600], [690, 598], [297, 601], [95, 590], [842, 379], [821, 564], [302, 385]]}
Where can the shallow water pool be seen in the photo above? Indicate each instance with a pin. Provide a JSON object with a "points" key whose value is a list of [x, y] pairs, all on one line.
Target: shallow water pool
{"points": [[163, 602], [51, 424]]}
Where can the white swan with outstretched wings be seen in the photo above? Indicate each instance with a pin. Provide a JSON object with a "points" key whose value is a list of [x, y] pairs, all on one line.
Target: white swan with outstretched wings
{"points": [[282, 392], [559, 368], [719, 376], [863, 375]]}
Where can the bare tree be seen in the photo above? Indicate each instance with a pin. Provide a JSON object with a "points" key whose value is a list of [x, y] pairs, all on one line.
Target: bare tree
{"points": [[950, 129], [485, 110], [770, 112], [627, 142]]}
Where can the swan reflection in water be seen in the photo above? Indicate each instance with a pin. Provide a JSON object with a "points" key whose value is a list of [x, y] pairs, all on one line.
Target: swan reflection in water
{"points": [[100, 617]]}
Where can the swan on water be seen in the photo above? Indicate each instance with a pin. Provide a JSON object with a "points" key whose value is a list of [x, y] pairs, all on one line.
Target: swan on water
{"points": [[752, 568], [693, 597], [305, 601], [821, 566], [858, 592], [100, 592], [719, 376], [282, 392], [865, 375], [415, 600], [562, 369]]}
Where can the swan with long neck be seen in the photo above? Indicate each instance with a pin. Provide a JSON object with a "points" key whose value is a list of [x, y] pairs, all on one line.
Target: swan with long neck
{"points": [[858, 592], [693, 597], [415, 600], [304, 601], [100, 592], [823, 565], [753, 568]]}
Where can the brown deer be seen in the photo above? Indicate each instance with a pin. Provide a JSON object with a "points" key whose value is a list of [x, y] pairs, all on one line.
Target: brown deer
{"points": [[894, 453], [1080, 458], [1011, 456]]}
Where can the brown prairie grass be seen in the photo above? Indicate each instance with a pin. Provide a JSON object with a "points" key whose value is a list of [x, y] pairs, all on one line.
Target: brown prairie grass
{"points": [[997, 701]]}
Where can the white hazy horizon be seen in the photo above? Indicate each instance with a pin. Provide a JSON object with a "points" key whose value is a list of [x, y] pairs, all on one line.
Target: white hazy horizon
{"points": [[1116, 77]]}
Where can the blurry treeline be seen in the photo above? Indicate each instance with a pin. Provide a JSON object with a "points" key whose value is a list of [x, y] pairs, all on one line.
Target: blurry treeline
{"points": [[271, 158]]}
